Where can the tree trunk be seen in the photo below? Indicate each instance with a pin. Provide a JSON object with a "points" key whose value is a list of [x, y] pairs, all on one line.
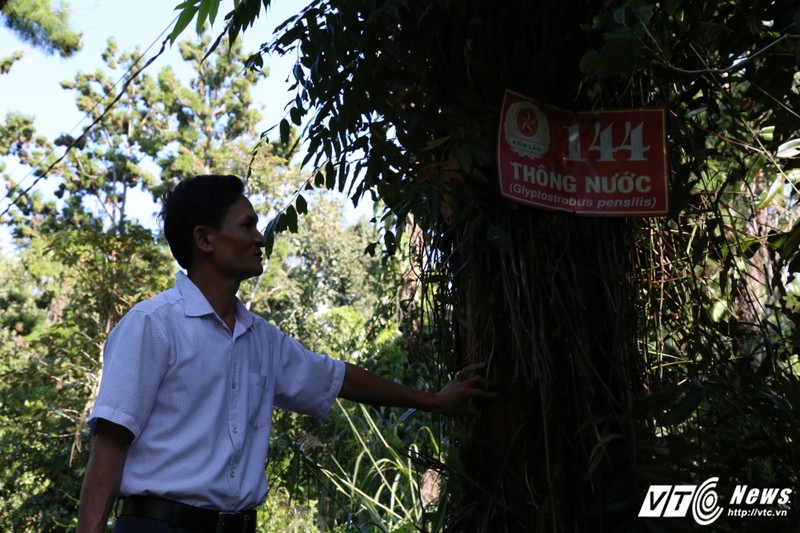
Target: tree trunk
{"points": [[554, 317], [549, 303]]}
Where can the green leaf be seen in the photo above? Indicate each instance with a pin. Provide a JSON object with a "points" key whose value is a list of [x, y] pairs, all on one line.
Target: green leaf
{"points": [[342, 175], [301, 204], [789, 149], [282, 225], [189, 11], [212, 12], [291, 218], [767, 196], [202, 14], [296, 116], [390, 242], [285, 128], [643, 12], [330, 176], [271, 226], [269, 245]]}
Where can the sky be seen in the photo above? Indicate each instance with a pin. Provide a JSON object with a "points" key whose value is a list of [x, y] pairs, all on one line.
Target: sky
{"points": [[33, 85]]}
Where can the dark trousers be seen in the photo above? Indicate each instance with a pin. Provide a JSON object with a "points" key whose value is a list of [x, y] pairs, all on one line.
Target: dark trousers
{"points": [[137, 524]]}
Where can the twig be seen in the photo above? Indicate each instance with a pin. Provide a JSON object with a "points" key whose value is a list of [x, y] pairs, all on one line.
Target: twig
{"points": [[734, 66]]}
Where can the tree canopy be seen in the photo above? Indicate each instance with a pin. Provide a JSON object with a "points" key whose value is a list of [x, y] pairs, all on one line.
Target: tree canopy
{"points": [[40, 24], [627, 353], [80, 261], [618, 346]]}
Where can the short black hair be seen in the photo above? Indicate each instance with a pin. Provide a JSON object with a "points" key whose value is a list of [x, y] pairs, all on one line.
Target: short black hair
{"points": [[198, 201]]}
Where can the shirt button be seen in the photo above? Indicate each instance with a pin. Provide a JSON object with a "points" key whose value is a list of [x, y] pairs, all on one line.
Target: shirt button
{"points": [[233, 385], [235, 429], [233, 473]]}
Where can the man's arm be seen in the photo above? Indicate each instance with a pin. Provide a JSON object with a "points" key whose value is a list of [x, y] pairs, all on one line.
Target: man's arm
{"points": [[103, 475], [365, 387]]}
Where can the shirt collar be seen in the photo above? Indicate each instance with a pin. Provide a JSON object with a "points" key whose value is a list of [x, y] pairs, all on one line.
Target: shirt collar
{"points": [[196, 304]]}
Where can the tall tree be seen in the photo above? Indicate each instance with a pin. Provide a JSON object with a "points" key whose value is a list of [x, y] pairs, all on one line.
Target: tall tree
{"points": [[40, 24], [405, 99]]}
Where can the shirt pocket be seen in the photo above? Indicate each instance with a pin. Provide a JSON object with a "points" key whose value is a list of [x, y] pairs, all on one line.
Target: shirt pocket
{"points": [[259, 409]]}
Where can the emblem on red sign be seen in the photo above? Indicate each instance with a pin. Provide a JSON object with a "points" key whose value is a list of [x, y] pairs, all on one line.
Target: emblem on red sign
{"points": [[598, 163]]}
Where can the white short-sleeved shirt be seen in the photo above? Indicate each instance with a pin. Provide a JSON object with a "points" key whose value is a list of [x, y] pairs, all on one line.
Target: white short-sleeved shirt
{"points": [[199, 400]]}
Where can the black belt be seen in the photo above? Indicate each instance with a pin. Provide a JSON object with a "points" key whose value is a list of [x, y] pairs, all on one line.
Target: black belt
{"points": [[188, 516]]}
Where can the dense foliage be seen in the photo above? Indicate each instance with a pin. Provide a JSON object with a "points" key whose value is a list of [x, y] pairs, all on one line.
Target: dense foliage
{"points": [[42, 25], [721, 298], [80, 261], [626, 353]]}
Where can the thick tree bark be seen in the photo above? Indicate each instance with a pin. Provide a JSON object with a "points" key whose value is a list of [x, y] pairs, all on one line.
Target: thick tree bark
{"points": [[554, 317], [553, 313]]}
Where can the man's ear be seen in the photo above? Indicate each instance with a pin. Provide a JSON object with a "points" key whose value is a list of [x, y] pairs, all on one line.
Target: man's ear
{"points": [[203, 238]]}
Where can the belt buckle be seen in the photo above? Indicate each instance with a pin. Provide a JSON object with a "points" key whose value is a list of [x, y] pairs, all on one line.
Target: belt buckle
{"points": [[231, 522]]}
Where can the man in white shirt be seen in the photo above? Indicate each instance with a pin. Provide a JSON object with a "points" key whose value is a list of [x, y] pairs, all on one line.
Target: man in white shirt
{"points": [[183, 418]]}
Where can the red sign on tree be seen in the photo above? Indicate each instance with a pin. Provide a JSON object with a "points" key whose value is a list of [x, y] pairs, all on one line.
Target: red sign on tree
{"points": [[596, 163]]}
